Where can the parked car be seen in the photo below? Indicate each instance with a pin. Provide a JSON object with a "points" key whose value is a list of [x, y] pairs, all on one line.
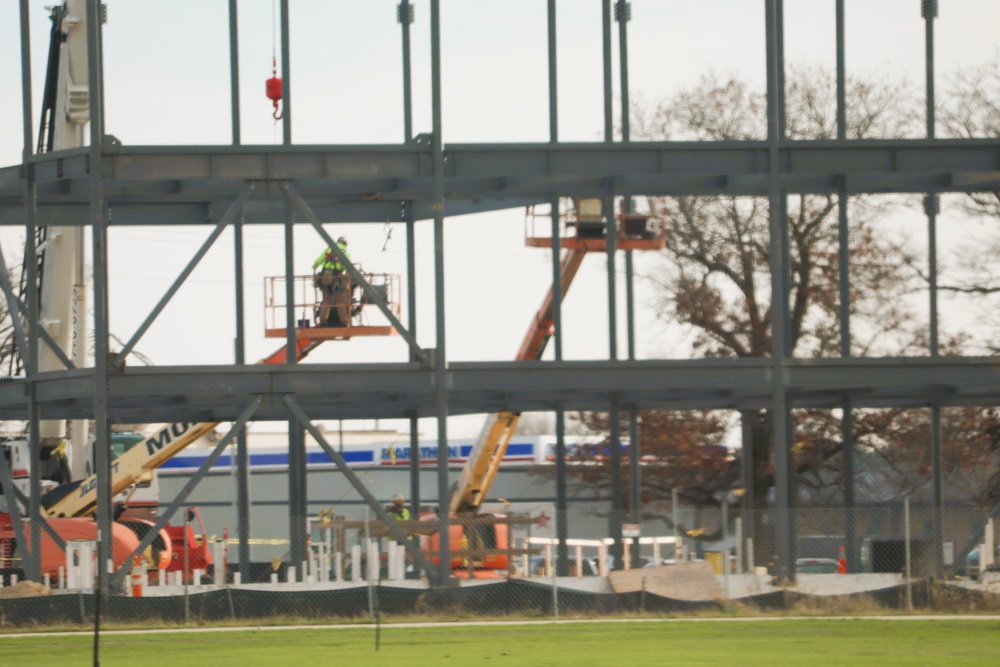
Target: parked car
{"points": [[972, 563]]}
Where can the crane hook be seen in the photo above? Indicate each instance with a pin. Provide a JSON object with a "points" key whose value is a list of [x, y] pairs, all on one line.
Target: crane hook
{"points": [[273, 89]]}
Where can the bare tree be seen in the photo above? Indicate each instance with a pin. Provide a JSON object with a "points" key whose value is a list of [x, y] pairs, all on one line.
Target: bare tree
{"points": [[971, 110], [714, 276]]}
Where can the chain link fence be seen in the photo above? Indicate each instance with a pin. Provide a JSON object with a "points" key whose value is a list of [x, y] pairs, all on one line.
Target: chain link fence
{"points": [[685, 559]]}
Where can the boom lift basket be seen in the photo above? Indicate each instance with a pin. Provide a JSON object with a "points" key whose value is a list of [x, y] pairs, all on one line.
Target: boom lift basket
{"points": [[583, 226], [365, 318]]}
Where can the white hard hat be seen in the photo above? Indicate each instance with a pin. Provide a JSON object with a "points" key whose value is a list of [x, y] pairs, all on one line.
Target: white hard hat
{"points": [[397, 497]]}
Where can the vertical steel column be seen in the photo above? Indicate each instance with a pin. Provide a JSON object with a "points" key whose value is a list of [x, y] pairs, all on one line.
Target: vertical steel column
{"points": [[414, 465], [779, 330], [841, 78], [786, 294], [562, 505], [411, 300], [297, 489], [440, 368], [556, 246], [616, 517], [623, 14], [747, 419], [286, 75], [844, 287], [929, 11], [32, 564], [562, 520], [608, 92], [234, 71], [782, 314], [99, 224], [779, 26], [634, 479], [404, 15], [609, 202], [298, 494], [242, 451], [296, 471], [617, 504]]}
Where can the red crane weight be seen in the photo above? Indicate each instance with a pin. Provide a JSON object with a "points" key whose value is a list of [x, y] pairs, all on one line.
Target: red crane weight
{"points": [[273, 86], [273, 89]]}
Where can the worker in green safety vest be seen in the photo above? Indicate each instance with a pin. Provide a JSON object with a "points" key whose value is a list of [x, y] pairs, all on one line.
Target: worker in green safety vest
{"points": [[397, 509], [334, 286]]}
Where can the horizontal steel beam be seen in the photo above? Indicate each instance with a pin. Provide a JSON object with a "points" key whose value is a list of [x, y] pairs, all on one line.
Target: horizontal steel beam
{"points": [[216, 393], [191, 185]]}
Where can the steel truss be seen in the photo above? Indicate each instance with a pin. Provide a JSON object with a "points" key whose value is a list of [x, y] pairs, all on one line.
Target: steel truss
{"points": [[111, 185]]}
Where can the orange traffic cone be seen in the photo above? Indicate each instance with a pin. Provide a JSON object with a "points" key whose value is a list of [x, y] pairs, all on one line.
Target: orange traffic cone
{"points": [[842, 563], [137, 577]]}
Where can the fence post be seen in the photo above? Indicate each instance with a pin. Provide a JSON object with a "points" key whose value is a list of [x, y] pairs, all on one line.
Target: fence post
{"points": [[674, 498], [738, 534], [725, 555], [553, 571], [906, 528], [372, 556]]}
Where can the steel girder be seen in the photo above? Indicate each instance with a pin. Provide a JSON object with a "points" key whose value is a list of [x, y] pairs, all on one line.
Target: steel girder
{"points": [[195, 185], [356, 391]]}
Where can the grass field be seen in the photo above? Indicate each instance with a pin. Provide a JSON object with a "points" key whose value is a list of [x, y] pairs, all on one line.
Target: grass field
{"points": [[793, 642]]}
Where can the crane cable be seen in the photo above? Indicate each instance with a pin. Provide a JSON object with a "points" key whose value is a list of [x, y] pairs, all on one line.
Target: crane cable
{"points": [[273, 85]]}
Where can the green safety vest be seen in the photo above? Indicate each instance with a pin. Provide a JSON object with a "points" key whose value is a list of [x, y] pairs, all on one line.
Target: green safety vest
{"points": [[327, 260], [400, 516]]}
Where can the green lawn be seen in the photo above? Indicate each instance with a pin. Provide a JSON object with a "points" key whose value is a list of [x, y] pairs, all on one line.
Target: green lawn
{"points": [[792, 642]]}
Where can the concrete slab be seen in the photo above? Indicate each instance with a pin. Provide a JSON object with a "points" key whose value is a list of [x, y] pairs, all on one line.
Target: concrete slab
{"points": [[572, 584], [988, 582], [845, 584], [683, 581], [746, 585]]}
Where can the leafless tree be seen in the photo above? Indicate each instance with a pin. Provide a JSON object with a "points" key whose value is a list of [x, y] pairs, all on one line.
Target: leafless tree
{"points": [[714, 278]]}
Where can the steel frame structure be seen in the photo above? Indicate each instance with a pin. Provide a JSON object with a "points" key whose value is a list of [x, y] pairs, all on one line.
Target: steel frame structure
{"points": [[108, 184]]}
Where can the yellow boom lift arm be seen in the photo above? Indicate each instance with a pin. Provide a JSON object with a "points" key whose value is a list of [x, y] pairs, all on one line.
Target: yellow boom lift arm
{"points": [[137, 465]]}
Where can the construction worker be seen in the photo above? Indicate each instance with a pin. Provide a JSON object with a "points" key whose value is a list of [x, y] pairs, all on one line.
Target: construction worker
{"points": [[335, 287], [397, 509]]}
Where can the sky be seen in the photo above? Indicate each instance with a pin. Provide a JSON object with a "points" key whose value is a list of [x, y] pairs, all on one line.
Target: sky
{"points": [[167, 83]]}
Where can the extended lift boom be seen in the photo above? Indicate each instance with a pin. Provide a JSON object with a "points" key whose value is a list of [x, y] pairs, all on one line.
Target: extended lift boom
{"points": [[587, 224], [487, 453], [136, 465]]}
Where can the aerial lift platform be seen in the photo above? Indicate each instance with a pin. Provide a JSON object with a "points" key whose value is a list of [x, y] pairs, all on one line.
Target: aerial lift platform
{"points": [[308, 299], [582, 229]]}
